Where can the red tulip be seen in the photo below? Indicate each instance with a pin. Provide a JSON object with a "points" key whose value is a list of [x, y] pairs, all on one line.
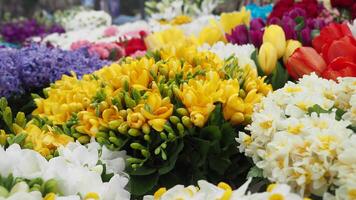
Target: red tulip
{"points": [[330, 33], [340, 67], [344, 47], [305, 60]]}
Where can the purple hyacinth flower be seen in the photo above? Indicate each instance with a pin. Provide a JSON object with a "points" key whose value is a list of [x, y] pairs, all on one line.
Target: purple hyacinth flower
{"points": [[288, 25], [296, 12], [306, 36], [256, 37], [257, 24], [239, 35], [275, 20]]}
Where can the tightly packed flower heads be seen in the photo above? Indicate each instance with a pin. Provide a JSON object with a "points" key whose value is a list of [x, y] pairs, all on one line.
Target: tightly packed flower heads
{"points": [[75, 173], [208, 191], [303, 135], [36, 66], [145, 98]]}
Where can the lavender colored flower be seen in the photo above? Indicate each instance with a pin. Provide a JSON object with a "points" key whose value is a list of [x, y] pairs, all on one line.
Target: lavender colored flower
{"points": [[306, 36], [256, 37], [296, 12], [20, 31], [34, 67]]}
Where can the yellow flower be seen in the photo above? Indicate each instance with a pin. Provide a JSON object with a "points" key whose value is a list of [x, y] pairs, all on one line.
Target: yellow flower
{"points": [[88, 122], [292, 45], [235, 105], [164, 38], [44, 142], [156, 110], [211, 34], [108, 115], [231, 20], [181, 19], [229, 88], [135, 119], [274, 34], [199, 98], [267, 58]]}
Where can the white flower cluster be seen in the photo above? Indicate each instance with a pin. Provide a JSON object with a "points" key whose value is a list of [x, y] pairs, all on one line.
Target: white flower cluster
{"points": [[86, 19], [96, 34], [77, 170], [208, 191], [303, 145], [241, 52]]}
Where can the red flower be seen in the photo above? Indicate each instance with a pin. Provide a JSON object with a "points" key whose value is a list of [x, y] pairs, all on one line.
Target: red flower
{"points": [[340, 67], [344, 47], [305, 60], [330, 33], [342, 3], [353, 11], [280, 8], [311, 6], [133, 45]]}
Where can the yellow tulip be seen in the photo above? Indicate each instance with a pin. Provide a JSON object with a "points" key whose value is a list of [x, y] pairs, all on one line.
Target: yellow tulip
{"points": [[232, 19], [211, 34], [267, 58], [292, 45], [274, 34]]}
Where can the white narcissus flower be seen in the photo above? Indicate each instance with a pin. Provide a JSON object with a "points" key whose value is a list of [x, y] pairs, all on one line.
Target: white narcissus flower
{"points": [[297, 136], [353, 27]]}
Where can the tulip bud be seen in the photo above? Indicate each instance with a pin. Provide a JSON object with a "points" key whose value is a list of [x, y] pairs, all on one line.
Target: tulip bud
{"points": [[115, 141], [134, 132], [292, 45], [123, 128], [274, 34], [267, 58], [84, 139]]}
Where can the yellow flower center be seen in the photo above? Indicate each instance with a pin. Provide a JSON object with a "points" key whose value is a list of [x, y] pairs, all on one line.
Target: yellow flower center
{"points": [[271, 187], [92, 196], [228, 191], [352, 194], [266, 124], [295, 129], [159, 193], [276, 197]]}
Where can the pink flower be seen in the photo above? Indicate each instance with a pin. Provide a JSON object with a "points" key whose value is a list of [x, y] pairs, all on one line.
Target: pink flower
{"points": [[111, 31], [79, 44]]}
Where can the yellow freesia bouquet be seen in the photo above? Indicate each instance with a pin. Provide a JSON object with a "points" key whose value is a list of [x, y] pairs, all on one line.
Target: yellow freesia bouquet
{"points": [[169, 110]]}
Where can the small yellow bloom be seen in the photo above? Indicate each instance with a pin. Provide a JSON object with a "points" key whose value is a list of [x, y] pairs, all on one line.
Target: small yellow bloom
{"points": [[181, 19], [292, 45], [267, 58], [135, 119], [234, 105], [231, 20], [50, 196], [157, 124], [159, 193], [274, 34], [211, 34]]}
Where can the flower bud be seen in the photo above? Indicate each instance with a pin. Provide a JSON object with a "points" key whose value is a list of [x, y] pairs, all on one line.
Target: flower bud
{"points": [[180, 128], [137, 146], [3, 192], [163, 136], [147, 138], [20, 119], [182, 111], [123, 128], [174, 119], [129, 102], [51, 186], [274, 34], [146, 129], [84, 139], [145, 153], [186, 122], [115, 141], [292, 45], [134, 132], [19, 187], [267, 58], [115, 123]]}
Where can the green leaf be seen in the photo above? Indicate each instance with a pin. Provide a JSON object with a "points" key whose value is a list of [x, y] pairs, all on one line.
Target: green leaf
{"points": [[255, 172], [300, 23], [279, 77], [202, 147], [228, 136], [141, 171], [254, 58], [211, 133], [172, 158], [317, 109], [219, 164], [140, 185], [216, 116], [339, 113]]}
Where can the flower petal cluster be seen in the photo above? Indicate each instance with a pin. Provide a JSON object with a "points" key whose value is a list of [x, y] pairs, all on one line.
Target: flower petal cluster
{"points": [[299, 137]]}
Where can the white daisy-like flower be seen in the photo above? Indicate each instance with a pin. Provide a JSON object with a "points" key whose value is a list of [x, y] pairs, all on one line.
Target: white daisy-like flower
{"points": [[353, 27]]}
